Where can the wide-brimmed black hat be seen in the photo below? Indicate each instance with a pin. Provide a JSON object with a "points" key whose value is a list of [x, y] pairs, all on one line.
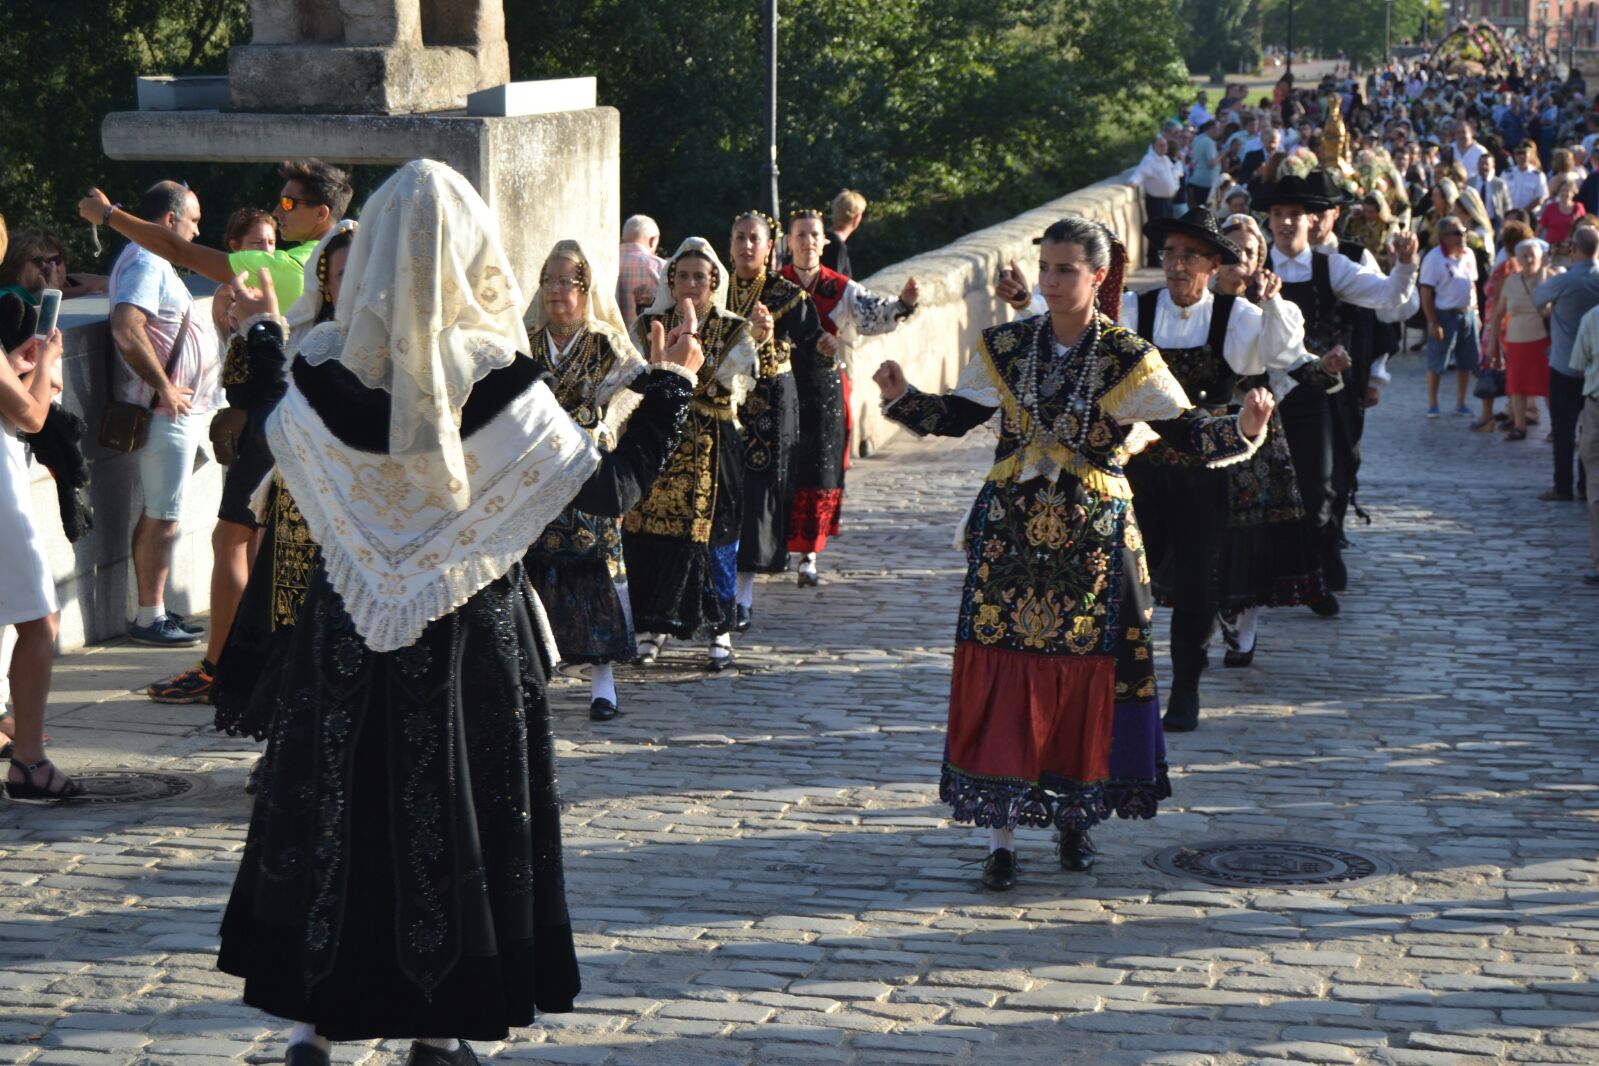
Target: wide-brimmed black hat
{"points": [[1199, 224], [1316, 191]]}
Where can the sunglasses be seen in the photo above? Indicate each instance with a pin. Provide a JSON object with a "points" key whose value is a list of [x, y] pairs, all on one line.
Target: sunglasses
{"points": [[288, 203], [45, 262]]}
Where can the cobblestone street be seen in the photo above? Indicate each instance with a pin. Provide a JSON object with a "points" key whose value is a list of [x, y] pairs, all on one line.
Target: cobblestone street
{"points": [[760, 870]]}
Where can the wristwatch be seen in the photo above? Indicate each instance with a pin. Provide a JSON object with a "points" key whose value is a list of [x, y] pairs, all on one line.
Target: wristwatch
{"points": [[105, 220]]}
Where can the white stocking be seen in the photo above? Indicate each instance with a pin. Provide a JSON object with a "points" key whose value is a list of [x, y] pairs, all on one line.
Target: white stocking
{"points": [[745, 597], [808, 563], [602, 685], [1248, 619], [305, 1033], [1002, 838]]}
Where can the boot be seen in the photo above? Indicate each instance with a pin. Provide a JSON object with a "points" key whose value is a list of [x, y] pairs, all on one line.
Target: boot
{"points": [[1332, 560], [1190, 635]]}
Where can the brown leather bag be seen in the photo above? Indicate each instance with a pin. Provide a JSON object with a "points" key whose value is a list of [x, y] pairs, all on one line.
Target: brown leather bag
{"points": [[124, 427]]}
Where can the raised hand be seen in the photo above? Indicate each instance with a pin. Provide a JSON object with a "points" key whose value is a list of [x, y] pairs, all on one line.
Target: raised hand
{"points": [[890, 380], [680, 347], [1270, 285], [761, 323], [911, 294], [249, 301], [1258, 404], [92, 207], [1012, 286], [1406, 244]]}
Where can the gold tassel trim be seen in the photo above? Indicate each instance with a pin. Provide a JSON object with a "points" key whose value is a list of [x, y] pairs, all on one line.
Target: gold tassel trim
{"points": [[1146, 368], [1092, 477]]}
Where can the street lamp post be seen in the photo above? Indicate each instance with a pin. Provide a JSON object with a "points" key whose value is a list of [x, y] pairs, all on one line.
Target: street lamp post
{"points": [[1387, 31], [769, 170], [1290, 36]]}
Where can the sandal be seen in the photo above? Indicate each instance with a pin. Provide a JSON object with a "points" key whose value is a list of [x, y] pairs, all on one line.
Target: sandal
{"points": [[6, 745], [29, 789], [1516, 434]]}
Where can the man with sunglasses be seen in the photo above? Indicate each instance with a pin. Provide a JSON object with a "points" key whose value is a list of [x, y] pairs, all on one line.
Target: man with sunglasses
{"points": [[311, 203]]}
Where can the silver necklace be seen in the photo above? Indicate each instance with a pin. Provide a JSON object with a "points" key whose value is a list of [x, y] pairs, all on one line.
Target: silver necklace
{"points": [[1044, 375]]}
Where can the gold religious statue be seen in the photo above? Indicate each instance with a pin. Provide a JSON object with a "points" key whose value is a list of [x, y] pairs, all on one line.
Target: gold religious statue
{"points": [[1334, 150]]}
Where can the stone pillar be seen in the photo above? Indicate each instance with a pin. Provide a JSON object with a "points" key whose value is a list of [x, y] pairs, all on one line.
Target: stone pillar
{"points": [[382, 23]]}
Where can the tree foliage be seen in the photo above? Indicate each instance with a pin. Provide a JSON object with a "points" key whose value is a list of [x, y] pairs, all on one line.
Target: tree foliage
{"points": [[1353, 28], [1222, 35], [65, 66], [949, 114]]}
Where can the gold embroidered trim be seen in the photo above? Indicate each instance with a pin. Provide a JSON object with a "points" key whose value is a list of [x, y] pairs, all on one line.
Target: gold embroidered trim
{"points": [[1069, 462], [1146, 368]]}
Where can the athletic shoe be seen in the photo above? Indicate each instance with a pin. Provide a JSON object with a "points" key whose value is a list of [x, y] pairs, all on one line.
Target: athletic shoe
{"points": [[1433, 412], [163, 633], [186, 625], [191, 686], [1463, 410]]}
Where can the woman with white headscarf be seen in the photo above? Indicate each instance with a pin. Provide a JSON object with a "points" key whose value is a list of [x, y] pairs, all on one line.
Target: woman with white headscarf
{"points": [[576, 564], [402, 875], [681, 542]]}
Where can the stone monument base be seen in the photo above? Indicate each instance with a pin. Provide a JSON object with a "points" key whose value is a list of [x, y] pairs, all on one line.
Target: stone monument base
{"points": [[370, 80], [547, 176]]}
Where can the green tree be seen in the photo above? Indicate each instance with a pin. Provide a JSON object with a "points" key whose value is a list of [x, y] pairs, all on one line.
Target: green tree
{"points": [[1222, 35], [949, 114], [63, 69], [1354, 28]]}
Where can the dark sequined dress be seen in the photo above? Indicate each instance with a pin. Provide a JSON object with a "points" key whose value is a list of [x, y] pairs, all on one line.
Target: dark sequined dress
{"points": [[402, 876]]}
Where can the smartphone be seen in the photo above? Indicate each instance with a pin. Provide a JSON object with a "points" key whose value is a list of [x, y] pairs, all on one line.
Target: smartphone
{"points": [[49, 311]]}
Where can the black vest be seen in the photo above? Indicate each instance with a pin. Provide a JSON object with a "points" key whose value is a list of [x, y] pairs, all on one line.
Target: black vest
{"points": [[1203, 372], [1326, 326]]}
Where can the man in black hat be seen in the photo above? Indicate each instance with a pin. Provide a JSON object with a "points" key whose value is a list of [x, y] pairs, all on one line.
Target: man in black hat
{"points": [[1210, 342], [1329, 289]]}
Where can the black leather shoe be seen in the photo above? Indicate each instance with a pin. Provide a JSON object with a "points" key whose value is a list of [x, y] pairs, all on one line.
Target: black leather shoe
{"points": [[717, 663], [809, 579], [741, 618], [999, 870], [423, 1055], [305, 1055], [1182, 710], [602, 710], [1334, 570], [1236, 658], [1326, 607], [1077, 852]]}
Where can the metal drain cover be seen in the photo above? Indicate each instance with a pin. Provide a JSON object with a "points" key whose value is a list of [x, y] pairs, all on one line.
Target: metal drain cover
{"points": [[129, 786], [1270, 863]]}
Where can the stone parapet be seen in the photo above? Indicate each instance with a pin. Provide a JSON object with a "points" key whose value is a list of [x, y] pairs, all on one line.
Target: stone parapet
{"points": [[958, 300]]}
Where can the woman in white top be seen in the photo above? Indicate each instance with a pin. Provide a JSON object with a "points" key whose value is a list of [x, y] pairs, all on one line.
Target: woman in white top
{"points": [[27, 593]]}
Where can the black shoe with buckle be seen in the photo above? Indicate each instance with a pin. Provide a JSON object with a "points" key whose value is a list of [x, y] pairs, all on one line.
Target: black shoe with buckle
{"points": [[602, 710], [305, 1054], [717, 663], [427, 1055], [809, 579], [741, 618], [999, 870], [1077, 851], [1327, 606]]}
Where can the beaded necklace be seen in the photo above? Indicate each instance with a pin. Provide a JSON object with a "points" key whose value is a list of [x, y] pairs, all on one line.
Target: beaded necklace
{"points": [[1043, 375], [742, 296], [576, 368]]}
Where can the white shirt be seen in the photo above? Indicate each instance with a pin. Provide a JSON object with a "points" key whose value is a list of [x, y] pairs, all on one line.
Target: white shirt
{"points": [[1258, 339], [1527, 186], [1469, 156], [1454, 280], [1362, 284], [1158, 175], [1198, 116]]}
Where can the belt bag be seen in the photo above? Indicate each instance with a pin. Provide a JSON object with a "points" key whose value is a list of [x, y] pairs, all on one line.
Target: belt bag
{"points": [[124, 427]]}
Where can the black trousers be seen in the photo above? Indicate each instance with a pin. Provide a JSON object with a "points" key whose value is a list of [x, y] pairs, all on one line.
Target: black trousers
{"points": [[1308, 424], [1565, 407], [1191, 631]]}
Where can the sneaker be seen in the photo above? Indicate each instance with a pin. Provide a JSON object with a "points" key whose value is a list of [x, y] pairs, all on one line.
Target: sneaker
{"points": [[186, 625], [163, 633], [1463, 410], [191, 686], [1433, 412]]}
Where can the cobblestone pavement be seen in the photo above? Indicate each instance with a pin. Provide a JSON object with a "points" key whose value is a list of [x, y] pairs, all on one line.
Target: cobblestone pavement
{"points": [[760, 871]]}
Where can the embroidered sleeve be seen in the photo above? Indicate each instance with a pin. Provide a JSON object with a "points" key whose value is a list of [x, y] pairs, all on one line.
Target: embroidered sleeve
{"points": [[870, 313], [254, 371], [736, 373], [926, 413], [1148, 393], [977, 383], [1216, 441]]}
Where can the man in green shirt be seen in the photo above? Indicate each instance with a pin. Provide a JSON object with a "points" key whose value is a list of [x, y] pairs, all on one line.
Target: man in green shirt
{"points": [[315, 196]]}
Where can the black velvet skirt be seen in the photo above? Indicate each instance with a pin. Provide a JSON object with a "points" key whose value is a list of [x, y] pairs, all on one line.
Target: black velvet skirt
{"points": [[402, 876]]}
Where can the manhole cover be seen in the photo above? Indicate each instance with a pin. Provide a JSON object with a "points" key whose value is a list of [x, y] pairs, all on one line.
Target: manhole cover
{"points": [[673, 664], [129, 786], [1257, 863]]}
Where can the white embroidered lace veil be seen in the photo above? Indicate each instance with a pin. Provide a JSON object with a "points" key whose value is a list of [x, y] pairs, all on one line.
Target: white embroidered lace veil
{"points": [[429, 308], [664, 301]]}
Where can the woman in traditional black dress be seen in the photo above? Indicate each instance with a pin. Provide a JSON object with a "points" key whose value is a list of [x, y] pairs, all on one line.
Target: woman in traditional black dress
{"points": [[576, 565], [402, 875]]}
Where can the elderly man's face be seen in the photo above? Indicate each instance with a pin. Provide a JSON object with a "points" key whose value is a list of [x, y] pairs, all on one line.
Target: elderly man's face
{"points": [[1160, 145]]}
